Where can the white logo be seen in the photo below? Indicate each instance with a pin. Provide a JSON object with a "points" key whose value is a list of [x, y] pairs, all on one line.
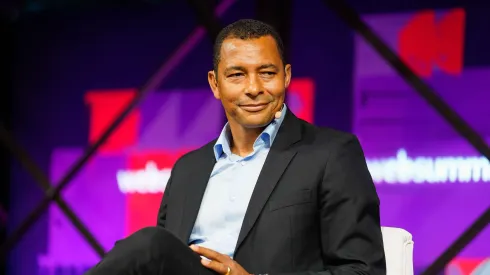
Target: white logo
{"points": [[404, 169], [149, 180]]}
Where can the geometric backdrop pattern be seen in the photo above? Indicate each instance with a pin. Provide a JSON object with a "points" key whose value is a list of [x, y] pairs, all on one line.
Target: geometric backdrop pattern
{"points": [[430, 180]]}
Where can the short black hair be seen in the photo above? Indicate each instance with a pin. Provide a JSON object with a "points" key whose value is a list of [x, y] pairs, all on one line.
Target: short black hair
{"points": [[246, 29]]}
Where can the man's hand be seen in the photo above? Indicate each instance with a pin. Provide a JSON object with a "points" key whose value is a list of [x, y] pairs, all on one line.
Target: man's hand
{"points": [[219, 262]]}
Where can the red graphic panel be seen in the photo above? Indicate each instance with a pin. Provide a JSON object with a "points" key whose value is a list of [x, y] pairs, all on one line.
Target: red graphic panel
{"points": [[141, 207], [425, 42], [105, 106], [462, 266], [301, 98]]}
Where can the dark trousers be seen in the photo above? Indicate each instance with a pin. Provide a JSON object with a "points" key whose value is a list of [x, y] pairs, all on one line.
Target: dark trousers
{"points": [[150, 251]]}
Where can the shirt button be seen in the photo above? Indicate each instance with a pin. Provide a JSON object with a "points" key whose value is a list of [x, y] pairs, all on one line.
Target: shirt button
{"points": [[232, 198]]}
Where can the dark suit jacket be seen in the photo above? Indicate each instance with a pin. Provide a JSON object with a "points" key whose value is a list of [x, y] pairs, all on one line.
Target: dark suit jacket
{"points": [[314, 209]]}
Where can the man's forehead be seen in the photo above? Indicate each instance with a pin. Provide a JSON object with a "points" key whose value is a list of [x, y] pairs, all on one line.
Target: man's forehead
{"points": [[234, 45], [231, 44], [259, 50]]}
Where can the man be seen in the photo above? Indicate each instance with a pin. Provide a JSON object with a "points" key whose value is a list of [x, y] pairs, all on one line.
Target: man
{"points": [[273, 194]]}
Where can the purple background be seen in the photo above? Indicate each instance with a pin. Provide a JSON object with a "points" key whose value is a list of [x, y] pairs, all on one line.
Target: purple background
{"points": [[390, 115], [170, 120]]}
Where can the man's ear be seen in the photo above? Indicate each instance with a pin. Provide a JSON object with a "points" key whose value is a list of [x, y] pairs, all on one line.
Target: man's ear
{"points": [[213, 83], [287, 75]]}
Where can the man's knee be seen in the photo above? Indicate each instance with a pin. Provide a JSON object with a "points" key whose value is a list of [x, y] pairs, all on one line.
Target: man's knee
{"points": [[152, 233], [154, 237]]}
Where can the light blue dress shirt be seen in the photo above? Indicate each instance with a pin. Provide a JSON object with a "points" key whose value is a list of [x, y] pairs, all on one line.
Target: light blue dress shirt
{"points": [[229, 190]]}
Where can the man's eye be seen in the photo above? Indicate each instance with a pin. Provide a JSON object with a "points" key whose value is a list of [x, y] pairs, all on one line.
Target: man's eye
{"points": [[269, 73], [235, 75]]}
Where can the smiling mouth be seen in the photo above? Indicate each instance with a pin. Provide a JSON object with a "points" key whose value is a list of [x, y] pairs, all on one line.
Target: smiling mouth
{"points": [[254, 107]]}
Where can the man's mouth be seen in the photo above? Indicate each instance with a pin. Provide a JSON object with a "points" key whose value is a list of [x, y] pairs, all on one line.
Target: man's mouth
{"points": [[256, 107]]}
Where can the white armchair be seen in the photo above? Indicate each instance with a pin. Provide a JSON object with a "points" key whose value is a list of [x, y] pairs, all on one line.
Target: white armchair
{"points": [[398, 247]]}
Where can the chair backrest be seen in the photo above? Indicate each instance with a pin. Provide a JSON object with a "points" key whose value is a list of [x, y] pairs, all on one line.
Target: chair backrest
{"points": [[398, 247]]}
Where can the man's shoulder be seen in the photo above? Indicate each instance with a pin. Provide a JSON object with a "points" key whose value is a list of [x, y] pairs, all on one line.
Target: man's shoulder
{"points": [[323, 136], [197, 155]]}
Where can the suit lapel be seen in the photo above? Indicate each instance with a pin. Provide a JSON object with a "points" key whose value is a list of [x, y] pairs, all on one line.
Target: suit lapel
{"points": [[198, 177], [278, 159]]}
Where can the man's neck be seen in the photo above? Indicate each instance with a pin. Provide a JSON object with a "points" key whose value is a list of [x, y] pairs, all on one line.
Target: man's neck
{"points": [[242, 139]]}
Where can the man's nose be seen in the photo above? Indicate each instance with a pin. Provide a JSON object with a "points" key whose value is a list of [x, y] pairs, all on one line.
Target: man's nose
{"points": [[254, 86]]}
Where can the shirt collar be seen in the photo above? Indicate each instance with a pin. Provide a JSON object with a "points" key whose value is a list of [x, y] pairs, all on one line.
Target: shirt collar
{"points": [[267, 136]]}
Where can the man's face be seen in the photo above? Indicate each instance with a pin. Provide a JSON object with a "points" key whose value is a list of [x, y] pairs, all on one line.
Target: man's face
{"points": [[251, 80]]}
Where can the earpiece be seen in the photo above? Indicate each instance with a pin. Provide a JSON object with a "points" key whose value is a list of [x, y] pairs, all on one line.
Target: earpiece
{"points": [[278, 114]]}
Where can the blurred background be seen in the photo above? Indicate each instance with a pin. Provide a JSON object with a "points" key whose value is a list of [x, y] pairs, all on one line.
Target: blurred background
{"points": [[72, 66]]}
